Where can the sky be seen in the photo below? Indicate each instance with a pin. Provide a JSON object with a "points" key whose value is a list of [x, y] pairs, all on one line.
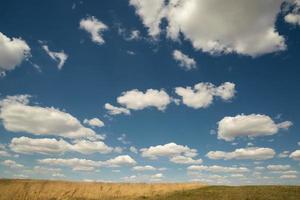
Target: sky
{"points": [[150, 91]]}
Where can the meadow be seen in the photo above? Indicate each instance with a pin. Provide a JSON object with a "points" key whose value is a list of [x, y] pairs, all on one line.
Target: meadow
{"points": [[63, 190]]}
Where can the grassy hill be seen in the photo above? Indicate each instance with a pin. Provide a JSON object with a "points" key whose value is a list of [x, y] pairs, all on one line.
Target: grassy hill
{"points": [[63, 190]]}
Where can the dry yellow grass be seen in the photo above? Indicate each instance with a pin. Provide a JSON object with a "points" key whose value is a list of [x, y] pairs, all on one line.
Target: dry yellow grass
{"points": [[59, 190]]}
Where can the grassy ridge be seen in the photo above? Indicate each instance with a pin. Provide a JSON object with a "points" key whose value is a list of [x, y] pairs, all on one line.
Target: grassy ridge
{"points": [[236, 193], [60, 190], [63, 190]]}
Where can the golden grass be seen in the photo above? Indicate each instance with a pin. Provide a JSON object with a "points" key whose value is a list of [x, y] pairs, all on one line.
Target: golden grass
{"points": [[61, 190]]}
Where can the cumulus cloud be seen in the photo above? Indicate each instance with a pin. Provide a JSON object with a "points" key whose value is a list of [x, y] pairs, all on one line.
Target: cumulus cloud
{"points": [[202, 94], [94, 27], [144, 168], [138, 100], [95, 122], [293, 17], [218, 169], [176, 153], [114, 110], [88, 165], [252, 153], [185, 160], [59, 57], [120, 160], [27, 145], [216, 27], [18, 116], [12, 164], [278, 167], [157, 176], [185, 62], [295, 155], [12, 52], [4, 153], [252, 125], [151, 13], [168, 150], [284, 154]]}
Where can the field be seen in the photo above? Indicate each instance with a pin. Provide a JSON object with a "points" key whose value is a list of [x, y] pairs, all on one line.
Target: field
{"points": [[59, 190]]}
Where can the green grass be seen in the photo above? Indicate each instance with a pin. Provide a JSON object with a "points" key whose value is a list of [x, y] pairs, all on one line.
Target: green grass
{"points": [[235, 193]]}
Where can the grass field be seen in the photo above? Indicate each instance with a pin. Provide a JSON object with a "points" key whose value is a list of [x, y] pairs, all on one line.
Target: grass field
{"points": [[62, 190]]}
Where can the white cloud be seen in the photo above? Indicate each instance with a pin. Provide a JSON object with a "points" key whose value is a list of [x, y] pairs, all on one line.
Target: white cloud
{"points": [[95, 122], [88, 165], [138, 100], [27, 145], [4, 153], [113, 110], [252, 153], [202, 94], [284, 154], [157, 176], [12, 52], [133, 149], [287, 176], [75, 163], [151, 12], [217, 27], [12, 164], [168, 150], [248, 125], [278, 167], [59, 57], [144, 168], [95, 27], [218, 169], [18, 116], [120, 160], [292, 18], [185, 62], [185, 160], [295, 155]]}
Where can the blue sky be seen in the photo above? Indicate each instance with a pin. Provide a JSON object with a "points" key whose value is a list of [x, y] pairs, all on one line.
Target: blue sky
{"points": [[168, 91]]}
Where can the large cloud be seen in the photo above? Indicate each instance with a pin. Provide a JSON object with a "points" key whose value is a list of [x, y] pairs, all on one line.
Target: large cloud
{"points": [[95, 27], [202, 94], [168, 150], [151, 13], [18, 116], [138, 100], [12, 52], [245, 27], [252, 153], [49, 146], [248, 125]]}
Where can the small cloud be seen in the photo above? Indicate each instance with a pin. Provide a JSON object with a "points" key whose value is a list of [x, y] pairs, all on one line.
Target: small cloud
{"points": [[94, 27], [60, 57]]}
